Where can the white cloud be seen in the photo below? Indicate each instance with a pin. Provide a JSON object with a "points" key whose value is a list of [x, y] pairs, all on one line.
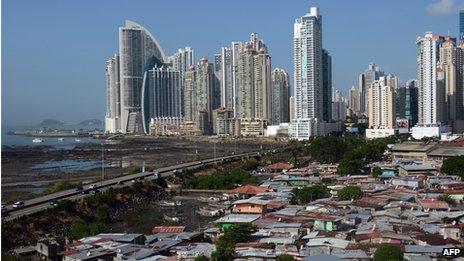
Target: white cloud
{"points": [[444, 7]]}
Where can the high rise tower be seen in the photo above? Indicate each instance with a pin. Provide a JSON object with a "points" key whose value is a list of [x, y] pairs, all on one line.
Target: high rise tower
{"points": [[113, 101], [139, 51]]}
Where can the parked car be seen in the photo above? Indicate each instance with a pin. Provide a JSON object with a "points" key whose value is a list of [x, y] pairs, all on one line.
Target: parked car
{"points": [[18, 204]]}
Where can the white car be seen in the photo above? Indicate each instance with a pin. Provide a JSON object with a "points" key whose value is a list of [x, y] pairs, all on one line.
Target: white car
{"points": [[92, 186], [18, 204]]}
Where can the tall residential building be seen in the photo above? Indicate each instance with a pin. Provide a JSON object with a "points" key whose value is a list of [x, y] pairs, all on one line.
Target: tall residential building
{"points": [[338, 104], [381, 97], [226, 84], [308, 65], [139, 51], [262, 84], [308, 77], [280, 97], [326, 86], [410, 101], [430, 88], [161, 96], [113, 101], [372, 73], [451, 64], [354, 102], [253, 80], [235, 49], [216, 94], [181, 61], [198, 92]]}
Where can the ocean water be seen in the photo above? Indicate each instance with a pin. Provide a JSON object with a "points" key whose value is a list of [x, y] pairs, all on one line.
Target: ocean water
{"points": [[67, 143]]}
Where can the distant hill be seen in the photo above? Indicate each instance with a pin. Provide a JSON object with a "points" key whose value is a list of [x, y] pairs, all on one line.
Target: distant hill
{"points": [[51, 122], [91, 122]]}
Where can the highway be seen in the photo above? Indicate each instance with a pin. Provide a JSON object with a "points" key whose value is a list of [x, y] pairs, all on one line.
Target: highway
{"points": [[43, 202]]}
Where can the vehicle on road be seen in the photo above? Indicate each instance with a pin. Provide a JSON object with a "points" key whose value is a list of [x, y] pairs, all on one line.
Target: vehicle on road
{"points": [[54, 203], [156, 175], [18, 204], [79, 188], [92, 186]]}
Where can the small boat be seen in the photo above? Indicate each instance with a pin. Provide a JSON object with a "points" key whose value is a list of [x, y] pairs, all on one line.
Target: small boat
{"points": [[170, 203], [77, 140], [37, 140], [60, 139]]}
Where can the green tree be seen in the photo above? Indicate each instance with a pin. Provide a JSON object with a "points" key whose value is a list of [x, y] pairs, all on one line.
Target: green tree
{"points": [[59, 186], [350, 192], [376, 171], [201, 258], [454, 166], [446, 198], [137, 186], [222, 180], [225, 245], [328, 149], [285, 258], [103, 213], [388, 252], [307, 194]]}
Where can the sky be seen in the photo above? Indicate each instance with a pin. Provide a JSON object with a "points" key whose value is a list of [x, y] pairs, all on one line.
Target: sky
{"points": [[54, 52]]}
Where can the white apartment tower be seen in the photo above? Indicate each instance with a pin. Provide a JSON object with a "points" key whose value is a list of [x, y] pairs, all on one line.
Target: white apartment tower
{"points": [[308, 78]]}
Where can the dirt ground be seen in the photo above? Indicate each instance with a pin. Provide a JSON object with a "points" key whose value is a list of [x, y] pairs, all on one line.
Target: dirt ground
{"points": [[20, 182]]}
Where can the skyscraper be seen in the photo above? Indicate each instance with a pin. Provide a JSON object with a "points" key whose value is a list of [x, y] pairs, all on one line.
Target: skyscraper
{"points": [[226, 81], [139, 51], [429, 88], [198, 95], [338, 104], [113, 101], [308, 76], [326, 86], [161, 96], [354, 102], [411, 106], [381, 97], [308, 65], [181, 61], [372, 73], [253, 80], [280, 96]]}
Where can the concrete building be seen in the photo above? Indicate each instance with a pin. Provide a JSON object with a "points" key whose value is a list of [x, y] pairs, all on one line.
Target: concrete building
{"points": [[430, 86], [198, 91], [226, 80], [113, 101], [381, 101], [372, 73], [451, 63], [308, 76], [354, 102], [406, 102], [138, 50], [224, 123], [161, 96], [327, 86], [338, 105], [252, 127], [280, 96], [253, 88]]}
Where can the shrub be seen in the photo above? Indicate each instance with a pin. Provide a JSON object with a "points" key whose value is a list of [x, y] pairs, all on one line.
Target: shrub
{"points": [[350, 192]]}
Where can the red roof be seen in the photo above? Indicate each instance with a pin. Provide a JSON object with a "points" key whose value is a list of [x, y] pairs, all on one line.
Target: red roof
{"points": [[168, 229], [248, 190], [432, 203]]}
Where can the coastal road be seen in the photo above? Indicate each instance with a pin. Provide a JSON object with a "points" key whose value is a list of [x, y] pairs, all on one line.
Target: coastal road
{"points": [[40, 203]]}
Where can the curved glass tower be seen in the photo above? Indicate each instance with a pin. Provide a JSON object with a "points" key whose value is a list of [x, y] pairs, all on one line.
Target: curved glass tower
{"points": [[139, 51]]}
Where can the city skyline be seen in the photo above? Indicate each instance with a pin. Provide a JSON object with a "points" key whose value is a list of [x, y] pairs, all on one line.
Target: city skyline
{"points": [[22, 105]]}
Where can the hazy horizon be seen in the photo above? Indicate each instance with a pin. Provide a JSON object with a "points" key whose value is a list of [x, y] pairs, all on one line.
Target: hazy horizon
{"points": [[54, 52]]}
